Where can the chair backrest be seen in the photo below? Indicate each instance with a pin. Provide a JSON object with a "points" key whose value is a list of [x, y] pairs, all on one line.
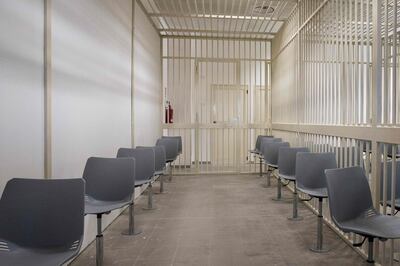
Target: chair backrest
{"points": [[259, 139], [144, 158], [178, 139], [264, 141], [43, 213], [287, 159], [310, 169], [349, 194], [159, 159], [170, 146], [389, 180], [271, 151], [110, 179]]}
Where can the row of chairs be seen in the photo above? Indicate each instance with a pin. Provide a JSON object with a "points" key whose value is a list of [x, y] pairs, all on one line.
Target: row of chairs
{"points": [[317, 176], [42, 221]]}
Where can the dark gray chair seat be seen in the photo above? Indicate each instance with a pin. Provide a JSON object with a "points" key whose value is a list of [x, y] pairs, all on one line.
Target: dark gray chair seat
{"points": [[310, 173], [288, 177], [257, 148], [254, 151], [144, 161], [373, 224], [145, 167], [159, 163], [20, 256], [41, 221], [287, 171], [315, 192], [140, 183], [311, 180], [271, 154], [178, 140], [94, 206], [263, 141], [171, 148], [352, 210], [159, 172], [109, 186]]}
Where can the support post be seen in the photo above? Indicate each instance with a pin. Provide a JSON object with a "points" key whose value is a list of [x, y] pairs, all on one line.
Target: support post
{"points": [[99, 242], [131, 227], [149, 198], [370, 250], [319, 248], [295, 216]]}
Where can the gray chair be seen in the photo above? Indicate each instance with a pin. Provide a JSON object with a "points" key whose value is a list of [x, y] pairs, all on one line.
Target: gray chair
{"points": [[389, 185], [178, 139], [310, 179], [264, 141], [171, 151], [351, 207], [109, 186], [270, 154], [144, 170], [159, 164], [257, 149], [41, 221], [287, 171]]}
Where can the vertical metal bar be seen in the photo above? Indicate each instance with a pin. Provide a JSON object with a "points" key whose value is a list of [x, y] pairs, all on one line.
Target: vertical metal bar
{"points": [[385, 92], [48, 90], [394, 63]]}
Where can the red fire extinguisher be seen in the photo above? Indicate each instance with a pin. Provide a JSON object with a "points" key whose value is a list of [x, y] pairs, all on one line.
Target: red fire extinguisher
{"points": [[169, 113]]}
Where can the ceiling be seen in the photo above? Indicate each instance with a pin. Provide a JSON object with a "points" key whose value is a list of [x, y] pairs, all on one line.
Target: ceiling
{"points": [[255, 19]]}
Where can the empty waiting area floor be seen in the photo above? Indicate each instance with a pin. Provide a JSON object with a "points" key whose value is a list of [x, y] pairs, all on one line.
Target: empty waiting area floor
{"points": [[219, 220]]}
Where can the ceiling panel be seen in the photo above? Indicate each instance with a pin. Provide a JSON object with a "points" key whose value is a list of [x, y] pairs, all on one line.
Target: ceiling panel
{"points": [[259, 19]]}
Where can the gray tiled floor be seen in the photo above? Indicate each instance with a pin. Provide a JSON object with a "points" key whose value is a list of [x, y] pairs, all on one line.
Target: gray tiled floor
{"points": [[219, 220]]}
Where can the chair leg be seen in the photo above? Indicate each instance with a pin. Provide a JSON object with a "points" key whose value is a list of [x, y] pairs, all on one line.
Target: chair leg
{"points": [[131, 227], [370, 250], [99, 242], [161, 183], [319, 248], [170, 172], [149, 198], [268, 180], [278, 190], [261, 170], [295, 216], [268, 177]]}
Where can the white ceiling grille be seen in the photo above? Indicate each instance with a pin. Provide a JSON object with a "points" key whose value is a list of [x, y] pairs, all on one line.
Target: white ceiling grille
{"points": [[255, 19]]}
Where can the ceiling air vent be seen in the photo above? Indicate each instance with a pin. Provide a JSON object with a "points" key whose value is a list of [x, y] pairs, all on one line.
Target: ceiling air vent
{"points": [[263, 10]]}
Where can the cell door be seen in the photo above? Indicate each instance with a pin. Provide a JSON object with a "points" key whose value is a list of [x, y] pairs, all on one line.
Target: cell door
{"points": [[221, 110]]}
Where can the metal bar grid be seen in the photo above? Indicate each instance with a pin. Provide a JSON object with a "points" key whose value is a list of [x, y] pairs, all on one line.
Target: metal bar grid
{"points": [[344, 86], [219, 90], [218, 18]]}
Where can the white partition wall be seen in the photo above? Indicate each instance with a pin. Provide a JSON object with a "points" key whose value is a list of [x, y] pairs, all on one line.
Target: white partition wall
{"points": [[90, 72], [148, 92], [21, 90]]}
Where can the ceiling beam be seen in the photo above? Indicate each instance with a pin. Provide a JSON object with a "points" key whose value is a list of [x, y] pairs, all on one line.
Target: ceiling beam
{"points": [[213, 16], [218, 32]]}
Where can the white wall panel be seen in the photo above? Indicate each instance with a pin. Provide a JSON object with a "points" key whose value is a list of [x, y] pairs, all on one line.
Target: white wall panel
{"points": [[147, 81], [21, 89], [91, 85]]}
